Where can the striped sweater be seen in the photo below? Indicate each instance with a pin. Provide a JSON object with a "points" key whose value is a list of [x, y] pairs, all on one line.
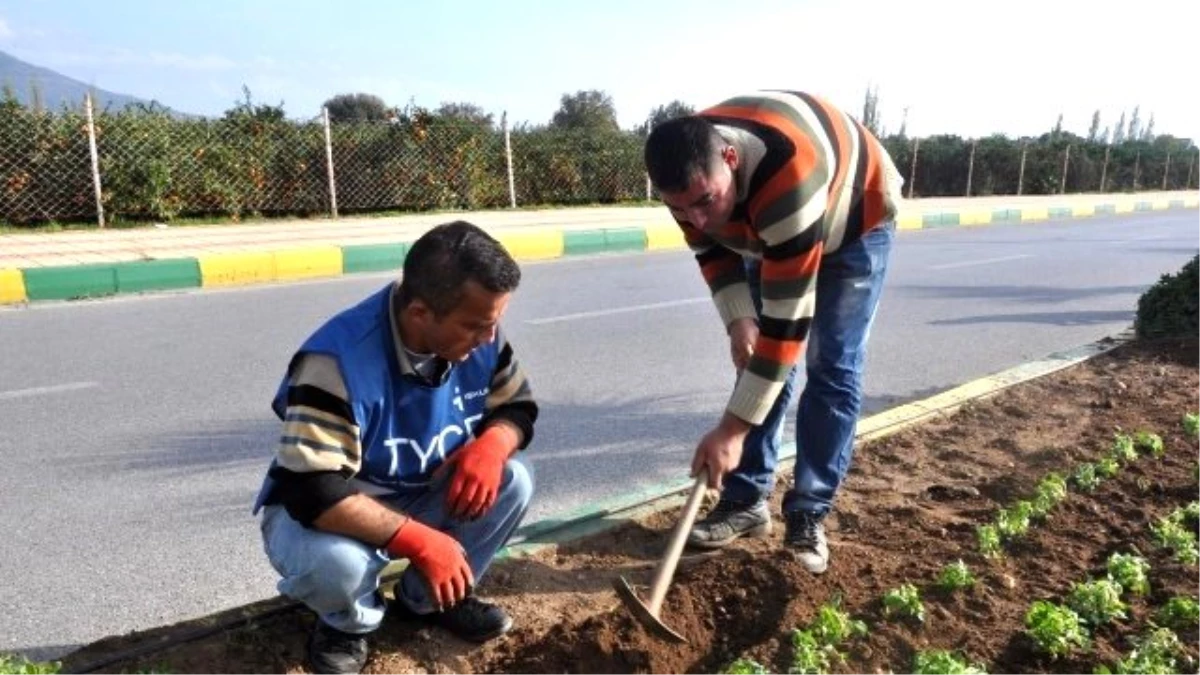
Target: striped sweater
{"points": [[810, 180]]}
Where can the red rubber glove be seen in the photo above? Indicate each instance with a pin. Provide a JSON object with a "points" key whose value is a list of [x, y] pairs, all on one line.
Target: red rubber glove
{"points": [[438, 557], [478, 467]]}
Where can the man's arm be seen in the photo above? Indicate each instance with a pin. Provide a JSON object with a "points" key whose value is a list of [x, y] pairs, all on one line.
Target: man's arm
{"points": [[510, 401], [725, 274]]}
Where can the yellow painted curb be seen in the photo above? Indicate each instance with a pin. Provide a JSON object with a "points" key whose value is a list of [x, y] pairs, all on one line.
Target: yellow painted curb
{"points": [[1083, 210], [309, 262], [975, 217], [1161, 204], [12, 286], [664, 236], [908, 220], [236, 269], [1124, 206], [1037, 213], [533, 244], [1191, 202]]}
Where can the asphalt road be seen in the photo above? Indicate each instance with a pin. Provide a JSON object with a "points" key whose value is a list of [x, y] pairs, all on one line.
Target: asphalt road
{"points": [[136, 430]]}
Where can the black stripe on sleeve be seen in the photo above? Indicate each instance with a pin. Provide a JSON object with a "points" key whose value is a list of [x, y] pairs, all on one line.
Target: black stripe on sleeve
{"points": [[315, 397]]}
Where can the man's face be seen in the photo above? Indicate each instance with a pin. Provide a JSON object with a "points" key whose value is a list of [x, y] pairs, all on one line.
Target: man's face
{"points": [[708, 201], [470, 325]]}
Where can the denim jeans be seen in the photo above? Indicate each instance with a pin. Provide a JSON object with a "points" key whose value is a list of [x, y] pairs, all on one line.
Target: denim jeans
{"points": [[338, 577], [849, 284]]}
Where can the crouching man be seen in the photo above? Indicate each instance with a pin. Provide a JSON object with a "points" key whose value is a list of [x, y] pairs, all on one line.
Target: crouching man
{"points": [[401, 416]]}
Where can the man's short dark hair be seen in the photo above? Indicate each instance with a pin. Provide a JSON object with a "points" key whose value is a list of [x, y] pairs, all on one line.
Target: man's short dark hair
{"points": [[679, 149], [444, 259]]}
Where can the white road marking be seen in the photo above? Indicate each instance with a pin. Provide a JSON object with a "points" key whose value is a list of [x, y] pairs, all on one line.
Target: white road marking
{"points": [[53, 389], [618, 310], [989, 261]]}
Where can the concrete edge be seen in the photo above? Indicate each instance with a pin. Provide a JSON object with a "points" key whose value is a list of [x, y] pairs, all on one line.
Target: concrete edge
{"points": [[607, 514], [72, 282]]}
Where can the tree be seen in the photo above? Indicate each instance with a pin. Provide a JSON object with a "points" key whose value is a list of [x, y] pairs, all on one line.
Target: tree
{"points": [[357, 108], [1148, 134], [1057, 131], [246, 109], [663, 113], [467, 112], [1119, 133], [903, 123], [870, 117], [1094, 130], [1135, 125], [591, 110]]}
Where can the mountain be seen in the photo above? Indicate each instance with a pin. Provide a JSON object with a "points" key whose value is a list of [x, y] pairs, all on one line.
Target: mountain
{"points": [[55, 89]]}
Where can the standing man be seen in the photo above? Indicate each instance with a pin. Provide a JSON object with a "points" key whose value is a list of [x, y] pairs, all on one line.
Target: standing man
{"points": [[401, 416], [789, 206]]}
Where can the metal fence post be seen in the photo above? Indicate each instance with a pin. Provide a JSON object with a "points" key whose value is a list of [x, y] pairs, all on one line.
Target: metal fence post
{"points": [[1104, 168], [1166, 168], [1137, 164], [512, 184], [1191, 162], [971, 167], [333, 211], [91, 129], [1021, 171], [912, 172], [649, 189]]}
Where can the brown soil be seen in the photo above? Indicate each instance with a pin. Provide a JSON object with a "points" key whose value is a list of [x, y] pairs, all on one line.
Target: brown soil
{"points": [[910, 506]]}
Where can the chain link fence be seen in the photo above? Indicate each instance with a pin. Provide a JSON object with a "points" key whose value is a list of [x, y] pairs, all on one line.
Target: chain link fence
{"points": [[151, 165]]}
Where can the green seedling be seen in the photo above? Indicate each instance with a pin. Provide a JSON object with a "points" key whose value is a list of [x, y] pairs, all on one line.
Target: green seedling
{"points": [[939, 662], [1122, 449], [1097, 602], [1013, 522], [832, 626], [1180, 613], [955, 576], [1191, 424], [1130, 571], [1086, 477], [1192, 512], [1108, 467], [1154, 654], [1151, 443], [1056, 630], [904, 601], [19, 665], [811, 657], [989, 541], [1170, 533], [745, 667], [1050, 491]]}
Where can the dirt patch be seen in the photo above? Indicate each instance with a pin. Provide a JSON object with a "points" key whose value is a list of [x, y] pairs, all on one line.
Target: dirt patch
{"points": [[910, 506]]}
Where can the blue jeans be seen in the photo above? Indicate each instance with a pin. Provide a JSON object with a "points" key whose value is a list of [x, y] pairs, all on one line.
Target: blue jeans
{"points": [[849, 284], [338, 577]]}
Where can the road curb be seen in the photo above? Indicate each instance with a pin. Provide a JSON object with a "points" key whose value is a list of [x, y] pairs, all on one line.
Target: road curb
{"points": [[73, 282], [549, 533]]}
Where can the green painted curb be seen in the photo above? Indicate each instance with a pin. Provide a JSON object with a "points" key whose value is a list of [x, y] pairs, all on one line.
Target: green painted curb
{"points": [[1144, 206], [68, 282], [1005, 215], [374, 258], [1106, 209], [588, 242], [583, 243], [943, 219], [626, 239], [1175, 204], [157, 275], [1060, 212]]}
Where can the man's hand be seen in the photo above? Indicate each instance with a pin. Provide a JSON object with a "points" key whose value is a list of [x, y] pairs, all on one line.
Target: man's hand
{"points": [[720, 450], [478, 467], [742, 335], [438, 557]]}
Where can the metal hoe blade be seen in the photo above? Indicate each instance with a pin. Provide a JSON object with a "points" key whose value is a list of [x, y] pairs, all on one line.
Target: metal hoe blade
{"points": [[643, 613]]}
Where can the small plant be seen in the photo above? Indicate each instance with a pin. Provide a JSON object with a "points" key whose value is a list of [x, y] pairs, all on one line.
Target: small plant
{"points": [[944, 663], [1191, 424], [1123, 450], [989, 541], [1154, 653], [1192, 512], [1148, 442], [1013, 522], [1086, 477], [1170, 533], [904, 601], [745, 667], [1130, 571], [832, 626], [955, 576], [19, 665], [1050, 491], [1097, 602], [1180, 613], [1057, 630], [1108, 467], [811, 657]]}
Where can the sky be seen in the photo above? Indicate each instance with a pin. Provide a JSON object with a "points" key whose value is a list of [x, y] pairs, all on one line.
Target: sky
{"points": [[960, 67]]}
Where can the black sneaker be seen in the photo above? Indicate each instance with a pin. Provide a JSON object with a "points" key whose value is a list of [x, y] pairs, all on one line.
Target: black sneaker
{"points": [[472, 619], [728, 521], [805, 536], [332, 651]]}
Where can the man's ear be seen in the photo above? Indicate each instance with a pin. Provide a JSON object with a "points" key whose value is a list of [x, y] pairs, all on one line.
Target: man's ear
{"points": [[730, 155], [418, 311]]}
